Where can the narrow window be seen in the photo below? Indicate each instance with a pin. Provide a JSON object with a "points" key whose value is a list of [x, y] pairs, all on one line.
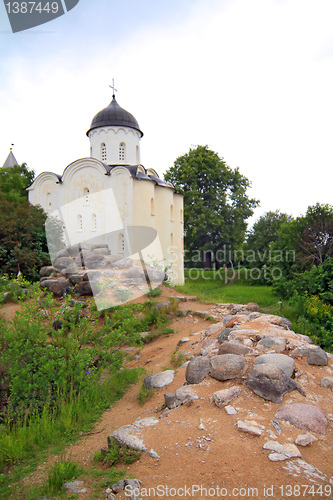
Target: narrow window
{"points": [[103, 151], [137, 155], [122, 151], [86, 196], [93, 222], [152, 206], [48, 202], [79, 223], [121, 243], [171, 212], [171, 242], [181, 216]]}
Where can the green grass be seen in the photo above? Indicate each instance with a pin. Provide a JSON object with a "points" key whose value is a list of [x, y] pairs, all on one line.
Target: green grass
{"points": [[210, 287], [26, 445]]}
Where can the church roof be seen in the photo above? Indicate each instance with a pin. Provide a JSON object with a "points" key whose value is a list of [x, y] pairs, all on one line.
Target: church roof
{"points": [[114, 115], [10, 161]]}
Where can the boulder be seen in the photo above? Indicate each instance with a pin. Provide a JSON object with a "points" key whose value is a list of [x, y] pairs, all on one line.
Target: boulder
{"points": [[314, 354], [185, 394], [282, 361], [227, 366], [224, 335], [63, 262], [197, 369], [95, 262], [225, 396], [268, 381], [155, 275], [75, 279], [84, 288], [71, 269], [58, 287], [47, 271], [101, 251], [253, 307], [272, 344], [135, 272], [327, 382], [305, 439], [92, 275], [159, 379], [234, 347], [303, 416], [121, 263]]}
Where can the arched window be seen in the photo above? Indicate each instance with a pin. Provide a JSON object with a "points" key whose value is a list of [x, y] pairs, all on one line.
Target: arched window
{"points": [[48, 201], [122, 151], [121, 243], [171, 212], [171, 241], [152, 206], [86, 196], [137, 155], [103, 151], [79, 223], [93, 222]]}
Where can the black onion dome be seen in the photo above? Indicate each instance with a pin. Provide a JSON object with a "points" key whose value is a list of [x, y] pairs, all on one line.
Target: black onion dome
{"points": [[114, 115]]}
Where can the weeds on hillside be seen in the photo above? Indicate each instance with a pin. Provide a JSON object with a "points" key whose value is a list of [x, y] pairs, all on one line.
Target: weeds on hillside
{"points": [[116, 454]]}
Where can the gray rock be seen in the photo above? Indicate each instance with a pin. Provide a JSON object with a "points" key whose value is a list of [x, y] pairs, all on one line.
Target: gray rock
{"points": [[272, 343], [305, 439], [184, 340], [284, 451], [303, 416], [254, 315], [159, 380], [75, 279], [47, 271], [214, 329], [270, 382], [63, 262], [249, 428], [227, 366], [170, 399], [71, 269], [108, 273], [84, 288], [314, 355], [75, 487], [327, 382], [95, 262], [120, 485], [230, 410], [234, 347], [253, 307], [305, 338], [63, 253], [155, 275], [101, 251], [135, 272], [276, 426], [197, 369], [300, 467], [225, 396], [58, 287], [286, 363], [92, 275], [224, 335], [122, 263], [185, 394]]}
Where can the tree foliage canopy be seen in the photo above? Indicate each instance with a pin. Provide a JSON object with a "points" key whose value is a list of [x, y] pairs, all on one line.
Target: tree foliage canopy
{"points": [[216, 204], [14, 181]]}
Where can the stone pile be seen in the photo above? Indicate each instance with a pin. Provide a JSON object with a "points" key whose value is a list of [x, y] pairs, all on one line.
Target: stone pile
{"points": [[92, 270]]}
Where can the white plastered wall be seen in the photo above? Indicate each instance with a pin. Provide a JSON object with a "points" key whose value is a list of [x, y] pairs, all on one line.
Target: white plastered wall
{"points": [[112, 137]]}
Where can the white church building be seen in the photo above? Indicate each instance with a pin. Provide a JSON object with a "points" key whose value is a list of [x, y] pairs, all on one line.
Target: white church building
{"points": [[111, 198]]}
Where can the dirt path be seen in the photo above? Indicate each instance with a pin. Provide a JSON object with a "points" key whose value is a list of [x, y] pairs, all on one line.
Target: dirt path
{"points": [[214, 455]]}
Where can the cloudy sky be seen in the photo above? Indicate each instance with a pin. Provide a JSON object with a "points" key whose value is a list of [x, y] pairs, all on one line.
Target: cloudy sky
{"points": [[252, 79]]}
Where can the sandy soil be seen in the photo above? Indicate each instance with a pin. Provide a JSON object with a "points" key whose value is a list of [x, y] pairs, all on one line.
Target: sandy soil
{"points": [[218, 455]]}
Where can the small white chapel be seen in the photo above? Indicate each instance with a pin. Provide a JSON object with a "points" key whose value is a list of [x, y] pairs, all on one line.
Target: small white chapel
{"points": [[110, 193]]}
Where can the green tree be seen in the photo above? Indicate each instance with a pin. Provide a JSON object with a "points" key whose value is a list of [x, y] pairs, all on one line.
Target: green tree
{"points": [[14, 182], [310, 237], [216, 204], [22, 238], [261, 235]]}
